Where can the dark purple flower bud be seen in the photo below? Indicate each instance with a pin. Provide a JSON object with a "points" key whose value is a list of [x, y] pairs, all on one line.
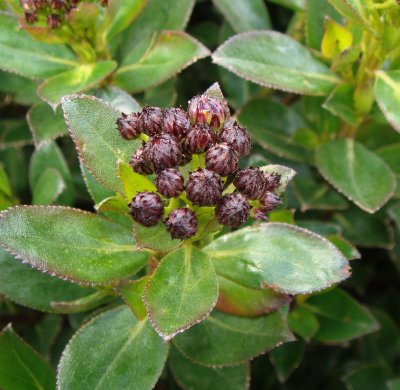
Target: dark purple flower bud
{"points": [[176, 122], [250, 182], [258, 214], [139, 164], [146, 208], [31, 17], [162, 151], [233, 209], [169, 183], [236, 136], [200, 138], [151, 120], [128, 126], [181, 223], [54, 21], [270, 201], [207, 109], [204, 187], [56, 4], [273, 181], [222, 159]]}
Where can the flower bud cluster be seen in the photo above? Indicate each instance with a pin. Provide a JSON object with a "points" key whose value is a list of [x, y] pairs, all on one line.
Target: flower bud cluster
{"points": [[172, 138]]}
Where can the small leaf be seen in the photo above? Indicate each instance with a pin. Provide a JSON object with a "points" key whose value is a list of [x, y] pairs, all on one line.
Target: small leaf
{"points": [[48, 188], [78, 79], [196, 377], [181, 292], [278, 256], [116, 204], [23, 90], [21, 366], [391, 156], [118, 98], [302, 322], [83, 17], [70, 243], [286, 175], [340, 317], [82, 304], [172, 52], [224, 339], [355, 11], [155, 237], [358, 173], [91, 122], [336, 39], [345, 59], [15, 134], [112, 351], [340, 103], [132, 293], [373, 376], [394, 385], [266, 58], [45, 124], [345, 247], [394, 212]]}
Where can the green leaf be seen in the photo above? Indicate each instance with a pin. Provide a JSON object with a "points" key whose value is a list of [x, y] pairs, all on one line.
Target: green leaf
{"points": [[286, 358], [286, 175], [336, 39], [355, 11], [351, 168], [394, 385], [195, 377], [112, 351], [340, 103], [163, 95], [21, 367], [314, 195], [70, 243], [224, 339], [236, 299], [296, 5], [172, 52], [340, 317], [83, 17], [45, 124], [278, 256], [132, 293], [116, 204], [21, 54], [371, 377], [394, 212], [345, 247], [266, 58], [15, 134], [272, 125], [387, 93], [4, 183], [391, 156], [346, 59], [322, 228], [122, 13], [181, 292], [32, 288], [132, 181], [155, 237], [91, 122], [48, 188], [47, 156], [303, 322], [23, 90], [82, 304], [118, 98], [244, 15], [78, 79]]}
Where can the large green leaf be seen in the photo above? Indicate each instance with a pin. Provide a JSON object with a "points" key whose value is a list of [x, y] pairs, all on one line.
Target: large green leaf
{"points": [[21, 54], [391, 155], [48, 188], [21, 368], [266, 58], [70, 243], [182, 291], [224, 339], [172, 52], [113, 351], [387, 93], [244, 15], [91, 122], [155, 237], [32, 288], [278, 256], [272, 125], [356, 172], [78, 79], [196, 377]]}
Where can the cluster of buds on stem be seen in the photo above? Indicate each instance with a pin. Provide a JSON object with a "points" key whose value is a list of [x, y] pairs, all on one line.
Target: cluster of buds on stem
{"points": [[204, 137]]}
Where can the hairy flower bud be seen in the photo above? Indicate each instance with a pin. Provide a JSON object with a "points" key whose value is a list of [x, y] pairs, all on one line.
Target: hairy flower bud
{"points": [[175, 122], [207, 109], [259, 214], [146, 208], [236, 136], [151, 120], [222, 159], [273, 180], [54, 21], [56, 4], [128, 126], [181, 223], [139, 164], [199, 138], [270, 201], [250, 182], [31, 17], [233, 209], [169, 183], [162, 151], [204, 187]]}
